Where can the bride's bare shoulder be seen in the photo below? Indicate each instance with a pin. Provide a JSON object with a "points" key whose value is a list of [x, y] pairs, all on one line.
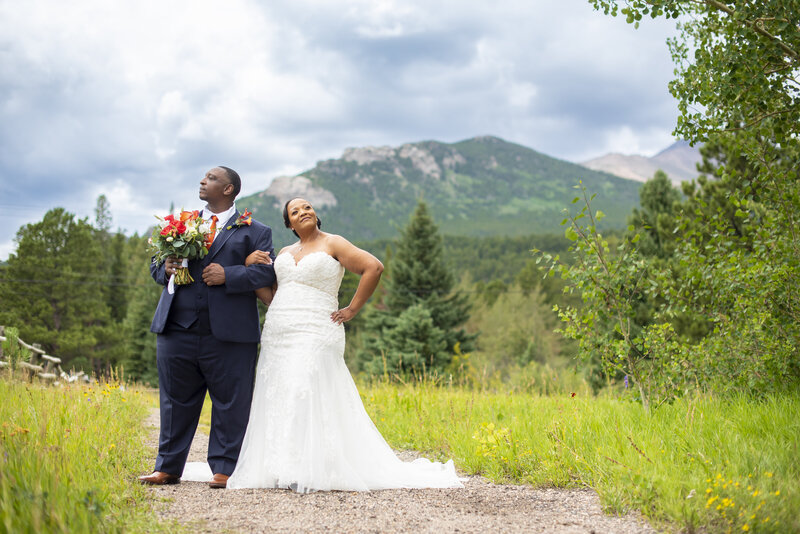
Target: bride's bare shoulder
{"points": [[287, 248], [335, 240]]}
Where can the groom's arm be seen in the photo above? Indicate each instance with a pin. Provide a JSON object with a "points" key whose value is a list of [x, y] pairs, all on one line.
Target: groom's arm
{"points": [[158, 271], [241, 278]]}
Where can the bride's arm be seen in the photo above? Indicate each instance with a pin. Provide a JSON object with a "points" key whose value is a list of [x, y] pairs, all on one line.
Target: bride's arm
{"points": [[361, 263], [264, 294]]}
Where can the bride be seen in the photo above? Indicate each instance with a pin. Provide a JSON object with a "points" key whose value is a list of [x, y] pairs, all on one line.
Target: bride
{"points": [[308, 429]]}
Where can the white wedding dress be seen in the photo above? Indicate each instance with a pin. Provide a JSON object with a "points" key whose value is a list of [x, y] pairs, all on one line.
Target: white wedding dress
{"points": [[308, 429]]}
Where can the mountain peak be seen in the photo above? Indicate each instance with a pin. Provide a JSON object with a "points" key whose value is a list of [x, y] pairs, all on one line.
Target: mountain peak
{"points": [[679, 161]]}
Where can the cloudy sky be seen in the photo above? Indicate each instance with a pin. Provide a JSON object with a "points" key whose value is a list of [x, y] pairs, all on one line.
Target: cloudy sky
{"points": [[135, 100]]}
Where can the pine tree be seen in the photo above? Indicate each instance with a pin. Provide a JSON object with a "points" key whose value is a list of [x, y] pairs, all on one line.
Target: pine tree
{"points": [[420, 289], [140, 343], [51, 290]]}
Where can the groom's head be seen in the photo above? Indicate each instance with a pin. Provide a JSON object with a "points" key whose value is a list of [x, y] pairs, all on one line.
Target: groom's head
{"points": [[220, 184]]}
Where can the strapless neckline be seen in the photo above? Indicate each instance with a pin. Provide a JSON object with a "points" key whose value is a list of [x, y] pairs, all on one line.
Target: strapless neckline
{"points": [[298, 262]]}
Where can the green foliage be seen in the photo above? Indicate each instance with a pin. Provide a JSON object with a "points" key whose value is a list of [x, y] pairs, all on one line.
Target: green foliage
{"points": [[12, 352], [70, 456], [418, 321], [676, 465], [51, 289], [516, 328], [411, 344], [84, 294], [728, 279], [736, 63], [611, 285], [139, 360]]}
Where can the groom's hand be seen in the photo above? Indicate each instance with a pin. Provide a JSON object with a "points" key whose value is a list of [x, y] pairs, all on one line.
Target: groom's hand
{"points": [[214, 275]]}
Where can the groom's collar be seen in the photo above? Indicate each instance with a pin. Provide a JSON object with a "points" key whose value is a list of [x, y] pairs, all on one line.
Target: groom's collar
{"points": [[222, 218]]}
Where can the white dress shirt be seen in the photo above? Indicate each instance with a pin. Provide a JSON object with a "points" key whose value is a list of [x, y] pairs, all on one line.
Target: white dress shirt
{"points": [[222, 218]]}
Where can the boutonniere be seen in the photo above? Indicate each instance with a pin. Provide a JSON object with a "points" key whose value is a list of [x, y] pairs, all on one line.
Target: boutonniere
{"points": [[245, 219]]}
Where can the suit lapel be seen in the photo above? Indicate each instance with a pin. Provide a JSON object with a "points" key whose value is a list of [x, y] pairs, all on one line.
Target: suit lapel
{"points": [[222, 236]]}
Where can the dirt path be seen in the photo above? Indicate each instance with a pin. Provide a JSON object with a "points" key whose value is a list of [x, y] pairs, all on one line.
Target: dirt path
{"points": [[479, 507]]}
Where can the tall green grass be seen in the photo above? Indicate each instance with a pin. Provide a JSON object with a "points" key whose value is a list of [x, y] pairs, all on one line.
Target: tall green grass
{"points": [[68, 459], [701, 463]]}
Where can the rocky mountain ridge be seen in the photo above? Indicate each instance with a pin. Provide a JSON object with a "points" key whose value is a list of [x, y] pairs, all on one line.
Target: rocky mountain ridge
{"points": [[477, 187]]}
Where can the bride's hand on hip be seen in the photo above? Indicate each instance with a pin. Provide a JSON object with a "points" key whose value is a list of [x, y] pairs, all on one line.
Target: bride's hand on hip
{"points": [[258, 256], [343, 315]]}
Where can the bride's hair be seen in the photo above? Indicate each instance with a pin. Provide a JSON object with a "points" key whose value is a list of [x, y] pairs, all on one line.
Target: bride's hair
{"points": [[286, 222]]}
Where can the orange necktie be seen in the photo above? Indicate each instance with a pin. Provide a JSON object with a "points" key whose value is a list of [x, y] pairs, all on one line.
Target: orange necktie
{"points": [[213, 234]]}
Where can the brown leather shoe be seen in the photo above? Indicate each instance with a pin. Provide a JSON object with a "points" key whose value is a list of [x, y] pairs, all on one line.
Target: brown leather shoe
{"points": [[159, 478], [219, 481]]}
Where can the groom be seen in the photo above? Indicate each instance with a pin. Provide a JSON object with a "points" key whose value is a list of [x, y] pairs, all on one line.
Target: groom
{"points": [[208, 335]]}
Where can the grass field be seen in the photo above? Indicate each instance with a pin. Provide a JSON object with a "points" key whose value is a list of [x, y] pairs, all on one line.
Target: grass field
{"points": [[69, 455], [729, 465], [68, 459]]}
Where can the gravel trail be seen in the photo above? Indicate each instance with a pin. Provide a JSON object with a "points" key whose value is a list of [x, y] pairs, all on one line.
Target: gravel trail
{"points": [[480, 506]]}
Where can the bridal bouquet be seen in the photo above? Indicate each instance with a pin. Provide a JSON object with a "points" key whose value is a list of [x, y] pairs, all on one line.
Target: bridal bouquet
{"points": [[184, 235]]}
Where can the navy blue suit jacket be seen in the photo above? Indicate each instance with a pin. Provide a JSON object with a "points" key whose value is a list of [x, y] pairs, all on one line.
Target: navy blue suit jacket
{"points": [[232, 307]]}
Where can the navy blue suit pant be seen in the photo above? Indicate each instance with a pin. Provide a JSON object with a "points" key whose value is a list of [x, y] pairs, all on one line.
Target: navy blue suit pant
{"points": [[191, 362]]}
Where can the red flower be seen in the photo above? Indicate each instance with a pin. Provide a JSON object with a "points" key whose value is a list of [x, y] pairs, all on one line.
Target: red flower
{"points": [[189, 215], [245, 219]]}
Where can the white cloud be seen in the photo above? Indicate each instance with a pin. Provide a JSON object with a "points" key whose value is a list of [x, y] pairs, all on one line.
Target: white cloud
{"points": [[138, 99]]}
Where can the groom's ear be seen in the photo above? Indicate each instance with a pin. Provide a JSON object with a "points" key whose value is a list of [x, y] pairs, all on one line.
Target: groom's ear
{"points": [[229, 190]]}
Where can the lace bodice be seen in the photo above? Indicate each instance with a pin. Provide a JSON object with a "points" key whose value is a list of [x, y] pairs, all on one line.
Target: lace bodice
{"points": [[318, 269]]}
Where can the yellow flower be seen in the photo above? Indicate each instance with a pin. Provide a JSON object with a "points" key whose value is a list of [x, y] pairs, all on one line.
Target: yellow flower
{"points": [[777, 492], [745, 527]]}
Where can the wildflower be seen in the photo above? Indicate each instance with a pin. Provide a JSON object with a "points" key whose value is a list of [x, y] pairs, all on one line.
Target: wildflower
{"points": [[777, 492], [745, 527], [626, 381]]}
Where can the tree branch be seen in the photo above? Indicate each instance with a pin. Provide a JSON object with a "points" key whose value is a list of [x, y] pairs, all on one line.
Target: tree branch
{"points": [[755, 26]]}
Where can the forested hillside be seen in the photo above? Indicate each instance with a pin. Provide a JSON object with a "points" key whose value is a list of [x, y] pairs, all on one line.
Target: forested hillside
{"points": [[479, 187]]}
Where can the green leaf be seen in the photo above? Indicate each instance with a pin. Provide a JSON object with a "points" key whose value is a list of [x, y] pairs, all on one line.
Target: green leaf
{"points": [[571, 234]]}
